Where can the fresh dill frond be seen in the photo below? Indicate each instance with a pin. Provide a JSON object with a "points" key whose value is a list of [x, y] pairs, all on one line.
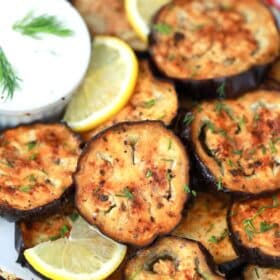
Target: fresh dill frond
{"points": [[32, 26], [9, 81]]}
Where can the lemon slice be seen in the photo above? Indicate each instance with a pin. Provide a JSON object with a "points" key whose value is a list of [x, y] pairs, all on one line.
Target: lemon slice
{"points": [[140, 14], [107, 87], [85, 255]]}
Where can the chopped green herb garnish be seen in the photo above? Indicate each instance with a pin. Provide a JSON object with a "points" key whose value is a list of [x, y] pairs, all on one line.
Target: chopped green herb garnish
{"points": [[25, 188], [242, 122], [149, 104], [263, 150], [64, 230], [220, 184], [169, 144], [238, 152], [32, 26], [74, 216], [221, 90], [33, 157], [149, 173], [264, 226], [256, 116], [211, 126], [257, 272], [188, 190], [210, 227], [222, 107], [31, 145], [32, 178], [272, 147], [217, 239], [163, 28], [126, 193], [9, 81], [188, 119], [230, 163]]}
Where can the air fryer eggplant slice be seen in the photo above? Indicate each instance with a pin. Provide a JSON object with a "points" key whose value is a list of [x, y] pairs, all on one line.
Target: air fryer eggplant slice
{"points": [[236, 142], [30, 233], [206, 44], [36, 167], [172, 258], [253, 272], [107, 17], [206, 221], [130, 182], [255, 228], [153, 99]]}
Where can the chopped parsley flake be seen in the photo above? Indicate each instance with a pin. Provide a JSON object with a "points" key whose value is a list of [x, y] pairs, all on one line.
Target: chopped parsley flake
{"points": [[163, 28]]}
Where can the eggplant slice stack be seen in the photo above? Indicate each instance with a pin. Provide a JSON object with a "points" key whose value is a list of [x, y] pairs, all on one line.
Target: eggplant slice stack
{"points": [[36, 167], [130, 182], [207, 45], [172, 258], [236, 142]]}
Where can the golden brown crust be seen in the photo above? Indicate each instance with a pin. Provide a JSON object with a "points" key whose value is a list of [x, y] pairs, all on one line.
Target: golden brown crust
{"points": [[206, 222], [153, 99], [42, 229], [170, 258], [36, 166], [198, 40], [130, 182], [107, 17], [253, 272], [255, 225], [238, 141]]}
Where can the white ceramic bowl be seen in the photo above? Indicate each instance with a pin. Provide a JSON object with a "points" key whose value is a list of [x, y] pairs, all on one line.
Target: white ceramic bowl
{"points": [[50, 67]]}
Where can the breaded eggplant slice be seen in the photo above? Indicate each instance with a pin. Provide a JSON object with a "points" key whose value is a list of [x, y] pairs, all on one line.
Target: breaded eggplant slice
{"points": [[153, 99], [36, 166], [253, 272], [108, 17], [206, 221], [236, 142], [255, 228], [205, 43], [172, 258], [130, 182], [30, 233], [7, 276]]}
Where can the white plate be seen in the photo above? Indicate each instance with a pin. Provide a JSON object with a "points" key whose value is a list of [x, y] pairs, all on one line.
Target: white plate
{"points": [[8, 253]]}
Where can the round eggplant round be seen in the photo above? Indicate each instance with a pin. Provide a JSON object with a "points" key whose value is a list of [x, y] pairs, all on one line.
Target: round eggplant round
{"points": [[214, 48], [132, 182]]}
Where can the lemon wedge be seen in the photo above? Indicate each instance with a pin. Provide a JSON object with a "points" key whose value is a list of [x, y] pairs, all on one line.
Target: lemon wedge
{"points": [[140, 14], [107, 87], [85, 255]]}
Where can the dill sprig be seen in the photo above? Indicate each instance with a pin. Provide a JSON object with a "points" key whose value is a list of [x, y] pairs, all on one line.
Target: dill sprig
{"points": [[32, 26], [9, 81]]}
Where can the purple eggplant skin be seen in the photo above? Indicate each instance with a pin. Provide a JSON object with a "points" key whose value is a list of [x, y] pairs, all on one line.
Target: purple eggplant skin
{"points": [[234, 86], [251, 255], [208, 257]]}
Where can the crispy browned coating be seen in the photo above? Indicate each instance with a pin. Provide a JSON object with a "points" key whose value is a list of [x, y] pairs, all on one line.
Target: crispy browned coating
{"points": [[130, 182], [36, 164], [238, 141], [107, 17], [170, 258], [36, 231], [205, 39], [206, 222], [153, 99], [253, 272], [255, 224]]}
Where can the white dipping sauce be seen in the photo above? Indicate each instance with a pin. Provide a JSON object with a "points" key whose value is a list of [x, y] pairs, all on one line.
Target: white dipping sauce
{"points": [[50, 68]]}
